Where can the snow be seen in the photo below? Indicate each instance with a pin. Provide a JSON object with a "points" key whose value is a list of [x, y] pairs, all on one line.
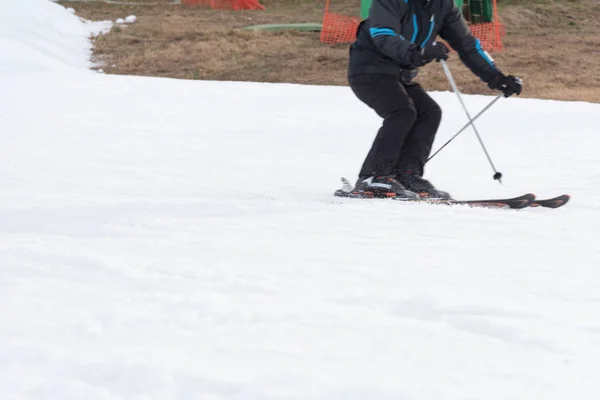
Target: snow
{"points": [[130, 19], [174, 239], [39, 35]]}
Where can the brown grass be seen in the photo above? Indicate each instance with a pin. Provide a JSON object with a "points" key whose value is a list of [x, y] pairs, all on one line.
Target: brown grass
{"points": [[552, 45]]}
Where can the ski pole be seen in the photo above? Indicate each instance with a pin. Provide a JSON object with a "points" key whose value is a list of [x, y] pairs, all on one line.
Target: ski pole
{"points": [[497, 175], [467, 125]]}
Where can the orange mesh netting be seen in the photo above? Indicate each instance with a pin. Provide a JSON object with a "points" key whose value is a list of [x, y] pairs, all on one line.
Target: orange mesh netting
{"points": [[489, 34], [340, 28]]}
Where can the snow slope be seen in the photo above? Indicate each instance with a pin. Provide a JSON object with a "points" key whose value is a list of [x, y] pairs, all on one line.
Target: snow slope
{"points": [[169, 239], [38, 35]]}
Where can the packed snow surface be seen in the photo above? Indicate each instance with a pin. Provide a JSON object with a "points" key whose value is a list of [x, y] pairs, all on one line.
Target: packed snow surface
{"points": [[172, 239]]}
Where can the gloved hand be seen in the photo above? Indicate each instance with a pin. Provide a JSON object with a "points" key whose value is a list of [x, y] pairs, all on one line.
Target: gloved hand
{"points": [[433, 51], [509, 85]]}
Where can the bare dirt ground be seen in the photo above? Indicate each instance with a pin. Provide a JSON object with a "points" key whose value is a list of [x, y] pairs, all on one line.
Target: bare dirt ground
{"points": [[554, 45]]}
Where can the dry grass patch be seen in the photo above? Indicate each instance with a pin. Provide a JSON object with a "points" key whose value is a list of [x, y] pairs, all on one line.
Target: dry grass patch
{"points": [[551, 66], [552, 45]]}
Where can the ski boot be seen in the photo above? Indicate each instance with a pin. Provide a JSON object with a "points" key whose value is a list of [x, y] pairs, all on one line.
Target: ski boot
{"points": [[422, 187], [382, 187]]}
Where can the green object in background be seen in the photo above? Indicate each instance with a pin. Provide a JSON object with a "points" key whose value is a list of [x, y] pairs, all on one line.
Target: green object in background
{"points": [[481, 7], [309, 26], [478, 10], [365, 6]]}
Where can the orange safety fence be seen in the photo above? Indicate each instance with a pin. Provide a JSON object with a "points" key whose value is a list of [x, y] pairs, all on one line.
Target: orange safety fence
{"points": [[490, 35], [338, 28], [341, 28]]}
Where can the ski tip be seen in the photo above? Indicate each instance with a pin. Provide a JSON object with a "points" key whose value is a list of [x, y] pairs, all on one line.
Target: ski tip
{"points": [[526, 201], [563, 197], [521, 202], [554, 202]]}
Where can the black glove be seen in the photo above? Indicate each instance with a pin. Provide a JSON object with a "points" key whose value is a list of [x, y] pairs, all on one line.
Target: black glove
{"points": [[509, 85], [433, 51]]}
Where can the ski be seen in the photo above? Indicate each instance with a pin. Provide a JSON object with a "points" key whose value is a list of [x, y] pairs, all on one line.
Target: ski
{"points": [[516, 203], [511, 203], [554, 202]]}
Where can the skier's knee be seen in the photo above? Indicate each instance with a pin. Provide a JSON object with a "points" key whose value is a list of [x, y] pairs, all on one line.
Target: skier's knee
{"points": [[435, 112], [404, 115]]}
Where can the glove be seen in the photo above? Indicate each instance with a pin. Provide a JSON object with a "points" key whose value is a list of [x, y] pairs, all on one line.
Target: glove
{"points": [[407, 75], [433, 51], [509, 85]]}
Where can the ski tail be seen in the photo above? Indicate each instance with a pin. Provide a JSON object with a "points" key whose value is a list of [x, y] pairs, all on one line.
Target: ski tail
{"points": [[346, 186]]}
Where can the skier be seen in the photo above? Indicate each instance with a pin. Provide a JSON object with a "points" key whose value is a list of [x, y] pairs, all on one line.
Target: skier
{"points": [[397, 38]]}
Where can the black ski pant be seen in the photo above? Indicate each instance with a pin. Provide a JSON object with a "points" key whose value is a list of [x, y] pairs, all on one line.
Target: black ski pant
{"points": [[410, 121]]}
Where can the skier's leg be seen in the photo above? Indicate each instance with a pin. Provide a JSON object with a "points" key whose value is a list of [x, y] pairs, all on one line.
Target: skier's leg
{"points": [[390, 100], [418, 143]]}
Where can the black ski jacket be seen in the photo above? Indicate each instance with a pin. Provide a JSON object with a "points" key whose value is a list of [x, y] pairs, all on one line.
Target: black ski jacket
{"points": [[395, 29]]}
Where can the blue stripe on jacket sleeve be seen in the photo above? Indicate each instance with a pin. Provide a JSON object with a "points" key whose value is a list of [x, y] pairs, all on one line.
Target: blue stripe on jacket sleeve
{"points": [[431, 25], [382, 32], [483, 53], [416, 28]]}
